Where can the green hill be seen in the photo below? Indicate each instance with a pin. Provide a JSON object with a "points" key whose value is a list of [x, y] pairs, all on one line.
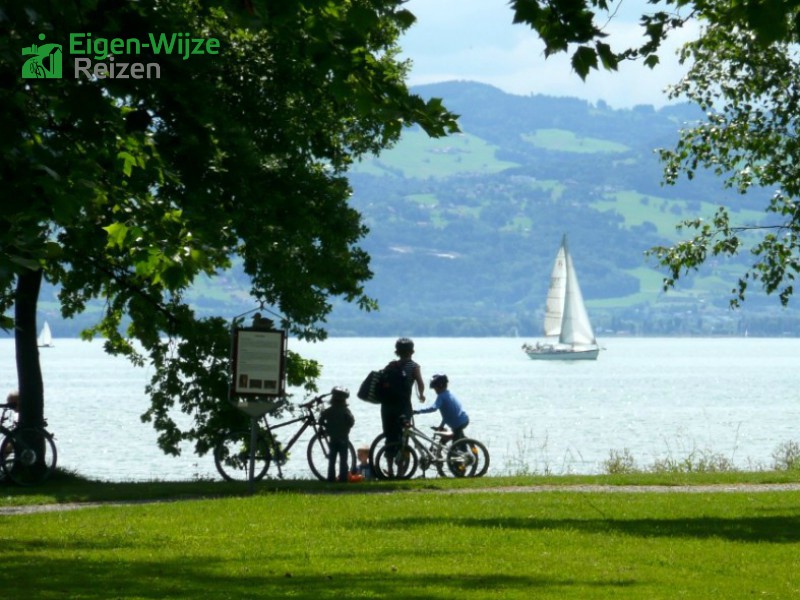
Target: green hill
{"points": [[462, 240]]}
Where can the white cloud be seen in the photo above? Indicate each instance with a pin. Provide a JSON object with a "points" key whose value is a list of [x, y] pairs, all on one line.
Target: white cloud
{"points": [[475, 40]]}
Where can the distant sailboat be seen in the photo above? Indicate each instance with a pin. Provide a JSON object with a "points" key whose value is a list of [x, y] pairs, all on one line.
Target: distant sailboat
{"points": [[565, 317], [45, 339]]}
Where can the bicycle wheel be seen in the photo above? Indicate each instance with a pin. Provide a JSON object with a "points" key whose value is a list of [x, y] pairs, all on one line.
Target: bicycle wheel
{"points": [[28, 456], [232, 456], [377, 443], [318, 452], [481, 454], [395, 462], [378, 470], [468, 458]]}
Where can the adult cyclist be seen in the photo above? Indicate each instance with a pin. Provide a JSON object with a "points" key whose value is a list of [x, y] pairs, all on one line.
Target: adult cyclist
{"points": [[403, 374]]}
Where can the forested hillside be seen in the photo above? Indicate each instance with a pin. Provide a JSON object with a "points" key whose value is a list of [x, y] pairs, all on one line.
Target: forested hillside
{"points": [[463, 230]]}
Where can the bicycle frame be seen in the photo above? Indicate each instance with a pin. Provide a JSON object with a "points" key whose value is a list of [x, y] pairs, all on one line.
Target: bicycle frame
{"points": [[238, 450], [435, 453], [279, 450], [463, 457], [284, 449]]}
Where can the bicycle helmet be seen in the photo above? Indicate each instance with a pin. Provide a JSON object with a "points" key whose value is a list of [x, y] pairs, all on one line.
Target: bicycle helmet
{"points": [[339, 394], [439, 381], [404, 346]]}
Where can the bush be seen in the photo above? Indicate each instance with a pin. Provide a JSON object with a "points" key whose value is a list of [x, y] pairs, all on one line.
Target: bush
{"points": [[619, 462], [786, 457], [698, 461]]}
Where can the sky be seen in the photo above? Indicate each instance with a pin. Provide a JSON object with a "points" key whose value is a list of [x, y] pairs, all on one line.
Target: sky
{"points": [[475, 40]]}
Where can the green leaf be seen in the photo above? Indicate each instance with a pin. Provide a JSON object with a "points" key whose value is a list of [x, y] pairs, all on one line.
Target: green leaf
{"points": [[52, 250], [128, 162], [607, 57], [116, 234], [583, 60], [405, 18], [651, 61]]}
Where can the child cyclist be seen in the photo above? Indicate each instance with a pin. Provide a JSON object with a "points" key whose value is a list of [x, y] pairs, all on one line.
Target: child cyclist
{"points": [[453, 414], [337, 420]]}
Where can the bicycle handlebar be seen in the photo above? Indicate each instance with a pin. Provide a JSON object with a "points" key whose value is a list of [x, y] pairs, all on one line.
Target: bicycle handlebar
{"points": [[314, 401]]}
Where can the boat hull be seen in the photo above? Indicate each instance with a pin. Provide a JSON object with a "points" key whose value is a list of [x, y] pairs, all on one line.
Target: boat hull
{"points": [[562, 354]]}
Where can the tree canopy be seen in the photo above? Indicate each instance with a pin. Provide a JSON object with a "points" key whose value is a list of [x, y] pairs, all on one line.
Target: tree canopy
{"points": [[127, 189], [579, 26]]}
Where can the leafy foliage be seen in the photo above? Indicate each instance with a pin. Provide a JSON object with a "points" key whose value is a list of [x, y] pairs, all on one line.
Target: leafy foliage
{"points": [[580, 25], [129, 189], [749, 140]]}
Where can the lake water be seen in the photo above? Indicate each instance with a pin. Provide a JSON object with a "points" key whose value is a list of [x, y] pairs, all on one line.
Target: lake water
{"points": [[658, 398]]}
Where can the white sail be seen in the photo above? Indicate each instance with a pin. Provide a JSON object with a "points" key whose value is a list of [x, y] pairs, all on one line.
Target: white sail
{"points": [[45, 339], [576, 329], [556, 294]]}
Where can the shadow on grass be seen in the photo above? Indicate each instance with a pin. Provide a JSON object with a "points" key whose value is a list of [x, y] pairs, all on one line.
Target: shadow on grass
{"points": [[774, 529], [65, 487], [93, 579]]}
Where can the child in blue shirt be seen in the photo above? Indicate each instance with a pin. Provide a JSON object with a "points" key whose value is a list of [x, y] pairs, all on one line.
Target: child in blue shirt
{"points": [[453, 414]]}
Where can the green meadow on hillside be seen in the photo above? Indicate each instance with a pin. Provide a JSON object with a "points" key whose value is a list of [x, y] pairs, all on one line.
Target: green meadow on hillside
{"points": [[421, 157], [562, 140]]}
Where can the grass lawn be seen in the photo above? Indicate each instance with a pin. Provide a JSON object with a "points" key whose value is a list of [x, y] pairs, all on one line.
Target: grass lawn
{"points": [[427, 540]]}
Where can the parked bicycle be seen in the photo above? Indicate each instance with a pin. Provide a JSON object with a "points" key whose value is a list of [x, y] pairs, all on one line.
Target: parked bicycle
{"points": [[466, 457], [232, 454], [28, 454]]}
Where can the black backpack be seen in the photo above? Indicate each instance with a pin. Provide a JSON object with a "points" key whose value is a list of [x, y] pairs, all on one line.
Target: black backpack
{"points": [[395, 385], [390, 385], [369, 388]]}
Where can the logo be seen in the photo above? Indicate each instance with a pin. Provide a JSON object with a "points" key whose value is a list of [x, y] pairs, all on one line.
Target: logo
{"points": [[97, 57], [45, 62]]}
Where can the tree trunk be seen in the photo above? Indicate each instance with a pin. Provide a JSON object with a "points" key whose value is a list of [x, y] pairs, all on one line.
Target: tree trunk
{"points": [[29, 371]]}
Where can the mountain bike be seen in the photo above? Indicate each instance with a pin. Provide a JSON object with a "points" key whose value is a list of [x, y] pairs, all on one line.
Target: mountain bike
{"points": [[27, 454], [466, 457], [232, 454]]}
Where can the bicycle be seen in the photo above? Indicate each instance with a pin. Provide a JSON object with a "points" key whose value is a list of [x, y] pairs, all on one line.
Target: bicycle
{"points": [[28, 454], [466, 457], [232, 454]]}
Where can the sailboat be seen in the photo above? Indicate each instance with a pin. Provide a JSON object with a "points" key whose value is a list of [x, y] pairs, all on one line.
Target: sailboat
{"points": [[45, 339], [565, 316]]}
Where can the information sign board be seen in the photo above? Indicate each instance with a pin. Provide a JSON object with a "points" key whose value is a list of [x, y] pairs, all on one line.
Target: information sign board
{"points": [[258, 362]]}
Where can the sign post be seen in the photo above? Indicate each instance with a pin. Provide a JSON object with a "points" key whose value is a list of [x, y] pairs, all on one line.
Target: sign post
{"points": [[258, 373]]}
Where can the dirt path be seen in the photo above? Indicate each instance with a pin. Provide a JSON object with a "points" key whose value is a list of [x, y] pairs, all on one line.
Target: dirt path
{"points": [[30, 509], [741, 488], [649, 489]]}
